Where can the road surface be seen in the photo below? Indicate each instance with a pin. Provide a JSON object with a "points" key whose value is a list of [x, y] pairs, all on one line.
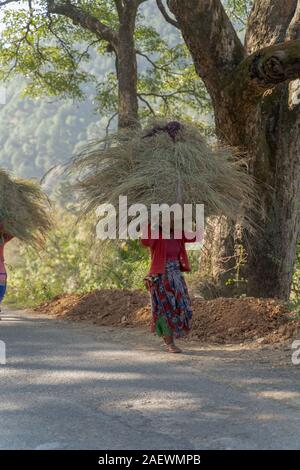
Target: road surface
{"points": [[78, 386]]}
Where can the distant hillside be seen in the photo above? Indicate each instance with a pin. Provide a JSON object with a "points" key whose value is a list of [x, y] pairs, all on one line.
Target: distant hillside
{"points": [[35, 135]]}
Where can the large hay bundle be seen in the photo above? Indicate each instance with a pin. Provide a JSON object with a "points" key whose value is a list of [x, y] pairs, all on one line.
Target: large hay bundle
{"points": [[24, 209], [158, 167]]}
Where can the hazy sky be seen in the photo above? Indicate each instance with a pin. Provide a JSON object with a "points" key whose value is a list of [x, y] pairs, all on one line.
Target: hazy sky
{"points": [[11, 6]]}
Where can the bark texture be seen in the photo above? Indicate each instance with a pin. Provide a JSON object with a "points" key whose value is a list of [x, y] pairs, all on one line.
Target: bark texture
{"points": [[127, 66], [256, 97], [268, 23]]}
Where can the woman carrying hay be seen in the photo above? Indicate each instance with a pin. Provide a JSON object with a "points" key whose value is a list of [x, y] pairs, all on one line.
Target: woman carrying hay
{"points": [[166, 163], [170, 300], [24, 215]]}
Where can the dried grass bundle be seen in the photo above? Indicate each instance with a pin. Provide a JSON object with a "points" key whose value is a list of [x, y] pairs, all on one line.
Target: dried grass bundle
{"points": [[160, 169], [23, 209]]}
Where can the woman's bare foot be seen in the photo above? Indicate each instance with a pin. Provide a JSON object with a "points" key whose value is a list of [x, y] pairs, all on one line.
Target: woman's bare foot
{"points": [[172, 348], [170, 345]]}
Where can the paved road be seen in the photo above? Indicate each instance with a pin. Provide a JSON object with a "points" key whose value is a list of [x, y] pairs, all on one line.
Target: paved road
{"points": [[75, 386]]}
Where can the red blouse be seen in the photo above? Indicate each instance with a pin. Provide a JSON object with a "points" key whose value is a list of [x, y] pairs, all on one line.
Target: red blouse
{"points": [[158, 247], [172, 249]]}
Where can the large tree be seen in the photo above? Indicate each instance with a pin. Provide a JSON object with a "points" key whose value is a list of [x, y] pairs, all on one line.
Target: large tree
{"points": [[255, 90], [253, 85], [53, 42]]}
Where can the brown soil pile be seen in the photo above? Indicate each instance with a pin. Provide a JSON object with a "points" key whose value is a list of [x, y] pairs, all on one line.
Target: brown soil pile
{"points": [[222, 320]]}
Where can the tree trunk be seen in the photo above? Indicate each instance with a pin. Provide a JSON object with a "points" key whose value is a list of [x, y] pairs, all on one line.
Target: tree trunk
{"points": [[269, 131], [272, 253], [127, 71]]}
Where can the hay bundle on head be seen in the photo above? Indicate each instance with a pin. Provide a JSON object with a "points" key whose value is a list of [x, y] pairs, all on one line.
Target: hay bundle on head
{"points": [[167, 162], [24, 209]]}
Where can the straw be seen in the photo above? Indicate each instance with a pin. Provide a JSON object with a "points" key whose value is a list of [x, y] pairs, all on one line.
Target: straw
{"points": [[158, 169], [24, 209]]}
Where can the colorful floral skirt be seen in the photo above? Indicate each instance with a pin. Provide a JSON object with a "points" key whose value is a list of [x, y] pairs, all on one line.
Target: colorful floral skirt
{"points": [[170, 302], [3, 278]]}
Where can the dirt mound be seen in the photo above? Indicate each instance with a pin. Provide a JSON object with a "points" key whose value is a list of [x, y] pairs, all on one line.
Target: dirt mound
{"points": [[102, 307], [222, 320], [234, 320]]}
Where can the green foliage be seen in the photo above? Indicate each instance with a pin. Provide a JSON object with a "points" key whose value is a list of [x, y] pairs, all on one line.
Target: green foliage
{"points": [[61, 60], [72, 262], [167, 81], [127, 267], [56, 57], [172, 86], [238, 11], [43, 49]]}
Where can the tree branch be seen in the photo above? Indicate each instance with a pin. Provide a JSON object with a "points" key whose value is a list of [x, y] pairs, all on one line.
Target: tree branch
{"points": [[238, 17], [211, 39], [165, 14], [112, 117], [119, 7], [84, 19], [164, 68], [6, 2], [147, 104], [268, 23], [267, 68]]}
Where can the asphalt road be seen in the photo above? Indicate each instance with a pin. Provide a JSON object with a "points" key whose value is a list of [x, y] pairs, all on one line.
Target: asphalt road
{"points": [[75, 386]]}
